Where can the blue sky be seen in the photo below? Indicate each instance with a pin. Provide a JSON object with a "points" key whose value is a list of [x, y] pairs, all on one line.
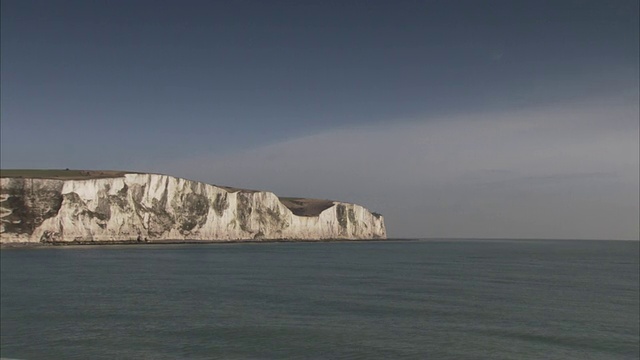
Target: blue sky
{"points": [[452, 118]]}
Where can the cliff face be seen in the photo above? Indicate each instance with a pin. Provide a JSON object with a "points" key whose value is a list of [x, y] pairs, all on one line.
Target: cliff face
{"points": [[135, 207]]}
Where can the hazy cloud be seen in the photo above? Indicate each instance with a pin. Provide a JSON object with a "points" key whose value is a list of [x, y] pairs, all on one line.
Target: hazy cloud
{"points": [[555, 172]]}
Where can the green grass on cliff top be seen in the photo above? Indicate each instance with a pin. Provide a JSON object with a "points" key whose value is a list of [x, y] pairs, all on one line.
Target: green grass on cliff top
{"points": [[62, 174]]}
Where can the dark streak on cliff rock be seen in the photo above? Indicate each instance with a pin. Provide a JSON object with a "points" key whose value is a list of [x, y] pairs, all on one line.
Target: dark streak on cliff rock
{"points": [[341, 213], [160, 220], [220, 204], [191, 211], [243, 211], [31, 203]]}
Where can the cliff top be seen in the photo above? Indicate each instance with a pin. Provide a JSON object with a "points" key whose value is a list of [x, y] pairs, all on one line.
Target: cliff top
{"points": [[61, 174], [299, 206], [306, 207]]}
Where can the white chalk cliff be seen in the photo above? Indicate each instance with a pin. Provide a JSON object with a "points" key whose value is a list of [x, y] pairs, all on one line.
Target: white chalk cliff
{"points": [[151, 207]]}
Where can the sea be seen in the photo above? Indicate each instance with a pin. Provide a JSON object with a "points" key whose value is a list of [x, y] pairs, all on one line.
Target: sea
{"points": [[397, 299]]}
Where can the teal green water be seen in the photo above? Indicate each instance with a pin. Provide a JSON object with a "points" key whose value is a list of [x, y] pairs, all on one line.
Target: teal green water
{"points": [[390, 300]]}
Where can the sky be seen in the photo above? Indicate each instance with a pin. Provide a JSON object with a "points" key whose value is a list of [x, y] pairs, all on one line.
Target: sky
{"points": [[456, 119]]}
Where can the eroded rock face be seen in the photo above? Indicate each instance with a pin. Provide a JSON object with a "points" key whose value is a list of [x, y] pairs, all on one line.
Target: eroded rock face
{"points": [[26, 203], [139, 207]]}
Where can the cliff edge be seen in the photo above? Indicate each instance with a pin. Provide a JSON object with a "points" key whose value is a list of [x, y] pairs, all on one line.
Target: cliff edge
{"points": [[67, 206]]}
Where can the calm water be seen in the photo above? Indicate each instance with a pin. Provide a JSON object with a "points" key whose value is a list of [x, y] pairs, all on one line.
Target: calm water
{"points": [[412, 299]]}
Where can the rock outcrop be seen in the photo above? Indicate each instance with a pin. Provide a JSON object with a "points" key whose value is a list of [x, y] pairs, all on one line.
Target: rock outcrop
{"points": [[150, 207]]}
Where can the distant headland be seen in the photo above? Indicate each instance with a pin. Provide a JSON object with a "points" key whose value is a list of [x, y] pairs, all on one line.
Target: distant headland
{"points": [[108, 207]]}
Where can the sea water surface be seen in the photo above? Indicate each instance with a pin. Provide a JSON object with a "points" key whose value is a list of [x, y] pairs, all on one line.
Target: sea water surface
{"points": [[472, 299]]}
